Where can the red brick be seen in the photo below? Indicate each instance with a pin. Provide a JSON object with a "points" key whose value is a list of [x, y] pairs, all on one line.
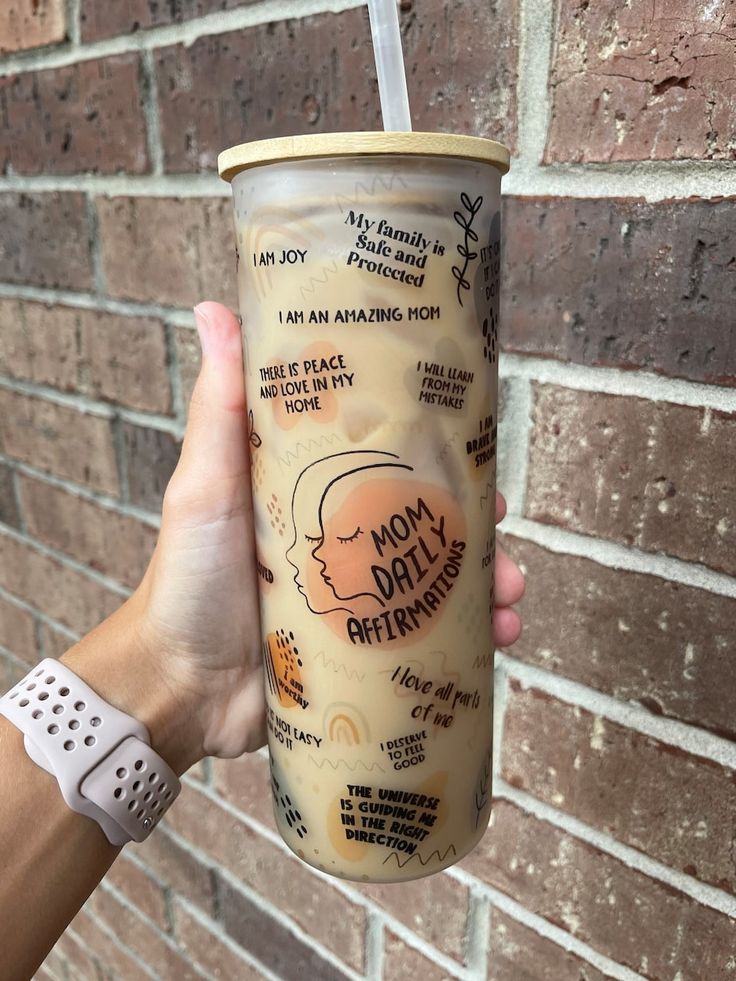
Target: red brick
{"points": [[31, 23], [639, 922], [179, 871], [401, 962], [46, 240], [68, 596], [316, 75], [101, 355], [9, 512], [85, 531], [438, 915], [56, 965], [54, 643], [116, 962], [618, 281], [679, 807], [642, 81], [135, 15], [141, 890], [318, 907], [81, 966], [200, 942], [17, 631], [271, 943], [168, 250], [162, 957], [188, 359], [83, 117], [519, 954], [246, 784], [634, 636], [150, 457], [655, 475], [52, 437]]}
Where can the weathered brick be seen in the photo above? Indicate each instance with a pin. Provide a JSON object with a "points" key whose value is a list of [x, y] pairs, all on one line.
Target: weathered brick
{"points": [[68, 596], [179, 870], [634, 636], [201, 943], [54, 642], [46, 240], [81, 966], [44, 974], [401, 962], [619, 281], [53, 437], [438, 915], [9, 512], [316, 75], [162, 957], [275, 947], [642, 81], [112, 543], [639, 922], [10, 673], [246, 784], [655, 475], [31, 23], [135, 15], [168, 250], [118, 964], [141, 890], [519, 954], [188, 358], [17, 631], [85, 116], [318, 907], [56, 965], [679, 807], [102, 355], [150, 456]]}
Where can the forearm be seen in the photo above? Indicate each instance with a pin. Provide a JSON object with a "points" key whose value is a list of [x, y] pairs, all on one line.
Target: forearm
{"points": [[52, 858]]}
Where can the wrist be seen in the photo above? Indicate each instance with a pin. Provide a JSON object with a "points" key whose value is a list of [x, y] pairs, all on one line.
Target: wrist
{"points": [[118, 663]]}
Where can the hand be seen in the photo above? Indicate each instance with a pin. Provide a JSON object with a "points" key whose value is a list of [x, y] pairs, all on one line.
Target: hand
{"points": [[195, 615]]}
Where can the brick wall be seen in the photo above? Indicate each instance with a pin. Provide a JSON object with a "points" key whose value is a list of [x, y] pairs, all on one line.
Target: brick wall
{"points": [[610, 851]]}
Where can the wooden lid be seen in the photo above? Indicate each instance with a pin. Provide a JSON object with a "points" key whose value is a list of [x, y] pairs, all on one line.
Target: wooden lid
{"points": [[258, 154]]}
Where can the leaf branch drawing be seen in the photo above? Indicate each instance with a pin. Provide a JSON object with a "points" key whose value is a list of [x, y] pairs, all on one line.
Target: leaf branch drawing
{"points": [[465, 221]]}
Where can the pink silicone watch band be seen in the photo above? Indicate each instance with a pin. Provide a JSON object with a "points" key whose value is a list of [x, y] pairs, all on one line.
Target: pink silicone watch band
{"points": [[100, 756]]}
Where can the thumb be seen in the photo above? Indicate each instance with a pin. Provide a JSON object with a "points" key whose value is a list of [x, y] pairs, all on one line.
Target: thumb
{"points": [[216, 440]]}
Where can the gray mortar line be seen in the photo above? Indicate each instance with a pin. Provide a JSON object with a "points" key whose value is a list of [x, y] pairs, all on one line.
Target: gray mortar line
{"points": [[629, 714], [103, 500], [186, 33], [714, 899], [513, 441], [66, 560], [615, 556]]}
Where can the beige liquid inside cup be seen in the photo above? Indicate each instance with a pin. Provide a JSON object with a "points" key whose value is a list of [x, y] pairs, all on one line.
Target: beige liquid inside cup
{"points": [[368, 276]]}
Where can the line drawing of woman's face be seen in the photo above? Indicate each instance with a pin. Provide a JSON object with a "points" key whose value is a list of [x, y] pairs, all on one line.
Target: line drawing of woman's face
{"points": [[321, 495]]}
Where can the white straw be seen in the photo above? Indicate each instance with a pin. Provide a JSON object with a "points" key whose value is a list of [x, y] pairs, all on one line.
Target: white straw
{"points": [[390, 65]]}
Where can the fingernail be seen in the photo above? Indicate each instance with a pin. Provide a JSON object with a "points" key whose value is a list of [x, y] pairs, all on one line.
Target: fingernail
{"points": [[203, 328]]}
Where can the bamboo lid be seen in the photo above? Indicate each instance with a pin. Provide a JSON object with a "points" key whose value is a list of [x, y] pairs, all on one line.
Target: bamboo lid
{"points": [[246, 155]]}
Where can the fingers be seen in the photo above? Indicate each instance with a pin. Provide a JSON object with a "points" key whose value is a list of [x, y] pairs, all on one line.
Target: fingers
{"points": [[216, 441], [500, 507], [510, 583], [506, 626]]}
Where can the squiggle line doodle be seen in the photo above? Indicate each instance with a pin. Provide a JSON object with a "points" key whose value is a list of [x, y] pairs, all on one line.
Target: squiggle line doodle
{"points": [[291, 456], [336, 764], [385, 183], [486, 495], [315, 281], [446, 448], [350, 673], [440, 858], [483, 661]]}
